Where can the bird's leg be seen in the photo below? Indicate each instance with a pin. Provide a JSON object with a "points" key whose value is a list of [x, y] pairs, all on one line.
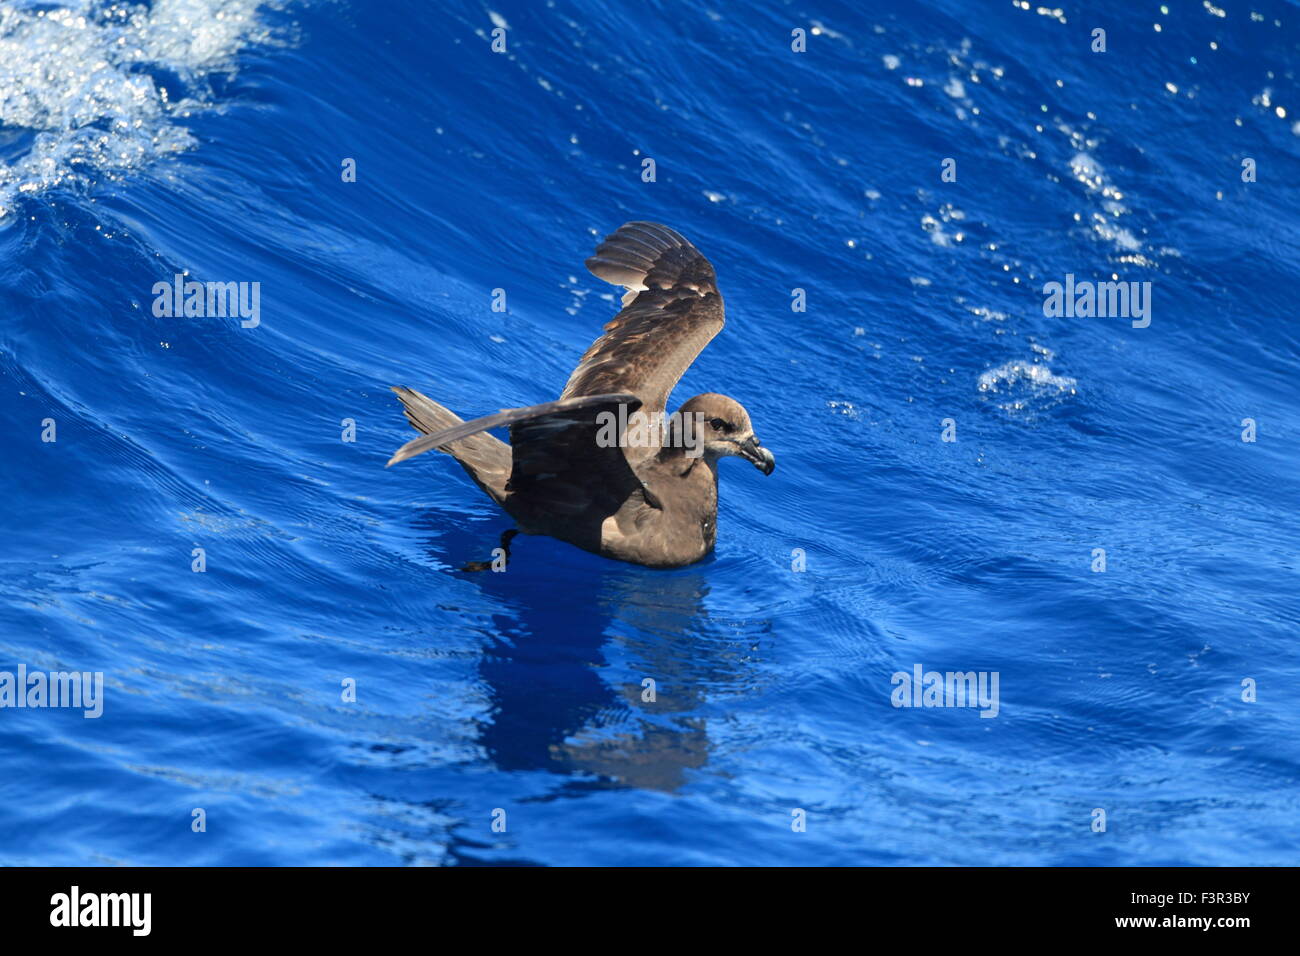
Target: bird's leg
{"points": [[500, 556], [506, 537]]}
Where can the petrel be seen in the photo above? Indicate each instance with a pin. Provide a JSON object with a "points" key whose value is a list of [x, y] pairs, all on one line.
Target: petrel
{"points": [[602, 467]]}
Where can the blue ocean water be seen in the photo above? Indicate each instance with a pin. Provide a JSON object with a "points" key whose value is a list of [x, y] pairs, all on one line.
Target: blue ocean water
{"points": [[142, 140]]}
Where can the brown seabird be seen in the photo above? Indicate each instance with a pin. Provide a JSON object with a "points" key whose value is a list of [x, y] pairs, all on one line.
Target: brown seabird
{"points": [[603, 467]]}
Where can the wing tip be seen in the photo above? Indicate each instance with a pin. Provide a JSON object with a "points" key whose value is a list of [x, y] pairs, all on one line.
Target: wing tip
{"points": [[629, 254]]}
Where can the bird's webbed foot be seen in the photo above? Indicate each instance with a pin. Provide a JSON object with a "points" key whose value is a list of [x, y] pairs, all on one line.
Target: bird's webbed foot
{"points": [[500, 555]]}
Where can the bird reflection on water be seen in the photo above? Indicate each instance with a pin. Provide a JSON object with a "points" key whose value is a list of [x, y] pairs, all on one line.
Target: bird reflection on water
{"points": [[552, 707]]}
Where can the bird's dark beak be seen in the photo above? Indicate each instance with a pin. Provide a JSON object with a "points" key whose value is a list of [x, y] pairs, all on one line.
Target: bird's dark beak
{"points": [[752, 450]]}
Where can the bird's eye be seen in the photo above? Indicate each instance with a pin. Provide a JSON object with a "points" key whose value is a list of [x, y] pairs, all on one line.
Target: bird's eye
{"points": [[719, 424]]}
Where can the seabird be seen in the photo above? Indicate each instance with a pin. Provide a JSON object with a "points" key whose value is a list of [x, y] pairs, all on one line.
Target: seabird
{"points": [[602, 467]]}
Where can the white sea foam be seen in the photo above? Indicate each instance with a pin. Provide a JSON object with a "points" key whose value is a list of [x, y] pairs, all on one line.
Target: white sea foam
{"points": [[1105, 224], [82, 94], [1024, 386], [1017, 372]]}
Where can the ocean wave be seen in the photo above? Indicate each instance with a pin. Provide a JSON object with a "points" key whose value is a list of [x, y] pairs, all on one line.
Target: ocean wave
{"points": [[93, 90]]}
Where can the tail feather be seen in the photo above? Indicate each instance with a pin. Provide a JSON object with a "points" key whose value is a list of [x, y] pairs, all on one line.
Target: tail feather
{"points": [[484, 457]]}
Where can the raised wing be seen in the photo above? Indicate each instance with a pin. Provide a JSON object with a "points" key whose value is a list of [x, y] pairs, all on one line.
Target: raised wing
{"points": [[671, 311]]}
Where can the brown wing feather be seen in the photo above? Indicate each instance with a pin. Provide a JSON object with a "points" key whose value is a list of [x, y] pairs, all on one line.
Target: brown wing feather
{"points": [[563, 466], [671, 312], [564, 478], [509, 416]]}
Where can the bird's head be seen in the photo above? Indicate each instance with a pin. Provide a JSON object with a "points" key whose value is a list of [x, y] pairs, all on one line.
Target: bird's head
{"points": [[720, 426]]}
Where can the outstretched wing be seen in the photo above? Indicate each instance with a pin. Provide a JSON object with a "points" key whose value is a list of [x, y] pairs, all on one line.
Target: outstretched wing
{"points": [[567, 457], [561, 412], [571, 462], [671, 311]]}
